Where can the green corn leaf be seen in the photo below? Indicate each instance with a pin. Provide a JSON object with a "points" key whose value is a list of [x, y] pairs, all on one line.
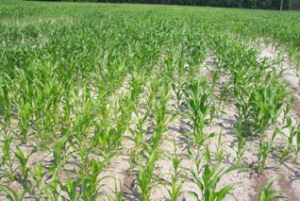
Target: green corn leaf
{"points": [[207, 155], [224, 191]]}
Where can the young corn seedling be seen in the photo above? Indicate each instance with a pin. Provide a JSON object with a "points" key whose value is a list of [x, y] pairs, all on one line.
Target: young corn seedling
{"points": [[37, 175], [181, 63], [145, 173], [170, 64], [267, 195], [197, 51], [103, 131], [137, 135], [132, 161], [82, 123], [192, 70], [118, 193], [154, 87], [203, 110], [5, 101], [286, 110], [155, 83], [208, 183], [23, 165], [265, 106], [241, 142], [51, 189], [294, 132], [176, 185], [219, 149], [7, 159], [60, 153], [67, 107], [25, 113], [122, 122], [178, 92], [70, 188], [196, 159], [46, 106], [12, 195], [242, 105], [104, 138], [197, 155], [83, 151], [284, 156], [161, 118], [224, 98], [90, 183], [264, 149], [136, 85], [215, 76]]}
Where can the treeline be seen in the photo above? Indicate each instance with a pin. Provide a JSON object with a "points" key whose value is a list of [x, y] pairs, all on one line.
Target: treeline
{"points": [[295, 4], [252, 4]]}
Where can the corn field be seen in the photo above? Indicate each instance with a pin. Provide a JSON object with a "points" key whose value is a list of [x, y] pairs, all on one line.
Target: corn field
{"points": [[141, 102]]}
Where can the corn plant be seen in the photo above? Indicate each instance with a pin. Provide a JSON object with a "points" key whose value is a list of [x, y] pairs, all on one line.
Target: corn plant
{"points": [[219, 149], [137, 135], [83, 118], [154, 86], [84, 152], [208, 183], [122, 123], [265, 104], [161, 118], [215, 76], [11, 194], [181, 62], [25, 114], [264, 149], [210, 178], [67, 112], [145, 173], [294, 132], [60, 154], [70, 188], [23, 165], [284, 156], [179, 94], [170, 63], [118, 193], [5, 99], [196, 159], [103, 133], [51, 192], [267, 195], [287, 109], [7, 159], [176, 185], [90, 182], [201, 104], [45, 109], [136, 85], [37, 175], [241, 143]]}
